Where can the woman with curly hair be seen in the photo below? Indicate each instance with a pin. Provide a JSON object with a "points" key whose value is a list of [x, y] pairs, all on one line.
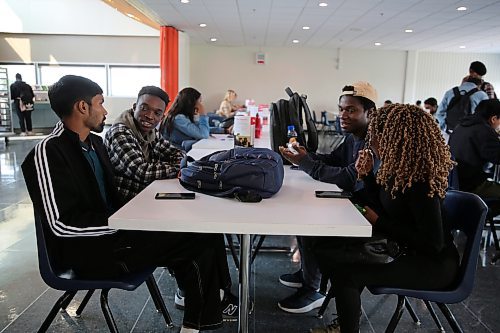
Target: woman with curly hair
{"points": [[408, 188]]}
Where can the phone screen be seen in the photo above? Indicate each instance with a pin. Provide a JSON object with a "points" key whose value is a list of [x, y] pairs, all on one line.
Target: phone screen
{"points": [[333, 194], [175, 196]]}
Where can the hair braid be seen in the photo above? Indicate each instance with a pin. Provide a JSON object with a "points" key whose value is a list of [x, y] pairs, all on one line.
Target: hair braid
{"points": [[411, 149]]}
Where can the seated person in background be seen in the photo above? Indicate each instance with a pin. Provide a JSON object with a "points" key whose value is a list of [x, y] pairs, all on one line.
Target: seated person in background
{"points": [[186, 121], [431, 105], [70, 181], [474, 143], [227, 108], [409, 186], [355, 103], [138, 153]]}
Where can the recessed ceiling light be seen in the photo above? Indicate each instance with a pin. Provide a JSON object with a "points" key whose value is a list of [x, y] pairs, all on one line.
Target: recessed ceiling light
{"points": [[213, 39], [203, 25], [295, 41], [462, 46], [408, 30], [378, 43], [322, 4], [461, 8], [185, 1], [306, 28]]}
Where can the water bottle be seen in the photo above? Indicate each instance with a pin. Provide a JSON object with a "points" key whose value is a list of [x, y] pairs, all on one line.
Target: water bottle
{"points": [[292, 138], [258, 126]]}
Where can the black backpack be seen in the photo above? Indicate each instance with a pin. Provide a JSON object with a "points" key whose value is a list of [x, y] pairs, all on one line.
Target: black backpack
{"points": [[459, 107], [294, 111]]}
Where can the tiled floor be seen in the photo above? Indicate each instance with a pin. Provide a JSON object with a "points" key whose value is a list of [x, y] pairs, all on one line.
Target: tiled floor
{"points": [[25, 300]]}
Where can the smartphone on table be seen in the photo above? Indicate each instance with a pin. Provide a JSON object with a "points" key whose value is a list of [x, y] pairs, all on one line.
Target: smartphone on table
{"points": [[175, 196], [333, 194]]}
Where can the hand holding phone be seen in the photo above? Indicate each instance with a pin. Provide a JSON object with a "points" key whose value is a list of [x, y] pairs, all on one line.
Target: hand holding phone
{"points": [[333, 194], [175, 196]]}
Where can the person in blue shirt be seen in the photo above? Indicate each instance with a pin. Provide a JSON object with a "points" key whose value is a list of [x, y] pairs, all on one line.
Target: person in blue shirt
{"points": [[467, 85], [187, 120]]}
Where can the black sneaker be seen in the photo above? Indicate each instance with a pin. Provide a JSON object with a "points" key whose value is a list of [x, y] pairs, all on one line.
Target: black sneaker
{"points": [[230, 307], [179, 299], [293, 280], [304, 300]]}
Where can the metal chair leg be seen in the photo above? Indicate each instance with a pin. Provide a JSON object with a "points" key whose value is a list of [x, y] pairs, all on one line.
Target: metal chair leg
{"points": [[158, 300], [257, 247], [68, 300], [494, 233], [450, 318], [434, 315], [412, 312], [84, 302], [325, 303], [107, 311], [53, 312], [396, 316], [230, 244]]}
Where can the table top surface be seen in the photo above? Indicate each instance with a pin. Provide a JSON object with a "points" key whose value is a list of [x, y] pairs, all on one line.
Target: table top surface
{"points": [[294, 210]]}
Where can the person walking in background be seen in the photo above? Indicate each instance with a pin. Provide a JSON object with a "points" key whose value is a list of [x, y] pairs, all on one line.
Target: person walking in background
{"points": [[186, 121], [22, 97], [477, 70], [431, 105]]}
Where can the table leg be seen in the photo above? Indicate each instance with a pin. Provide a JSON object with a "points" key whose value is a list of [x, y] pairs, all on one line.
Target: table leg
{"points": [[244, 283]]}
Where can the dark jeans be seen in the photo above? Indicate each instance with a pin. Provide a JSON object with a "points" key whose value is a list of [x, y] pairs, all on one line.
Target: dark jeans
{"points": [[311, 275], [24, 117], [407, 271], [199, 263]]}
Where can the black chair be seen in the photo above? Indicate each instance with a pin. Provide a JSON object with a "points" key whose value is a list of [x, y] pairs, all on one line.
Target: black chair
{"points": [[465, 212], [63, 278]]}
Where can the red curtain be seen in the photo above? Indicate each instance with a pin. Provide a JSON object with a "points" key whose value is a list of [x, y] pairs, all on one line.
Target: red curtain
{"points": [[169, 60]]}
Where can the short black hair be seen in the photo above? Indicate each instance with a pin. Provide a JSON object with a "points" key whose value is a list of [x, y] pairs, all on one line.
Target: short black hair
{"points": [[488, 108], [155, 91], [418, 102], [388, 101], [367, 103], [478, 67], [431, 101], [18, 76], [70, 89]]}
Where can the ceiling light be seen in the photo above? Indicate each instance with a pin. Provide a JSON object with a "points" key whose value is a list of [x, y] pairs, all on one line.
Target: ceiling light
{"points": [[306, 28], [295, 41], [461, 8], [462, 46], [408, 30], [322, 4], [213, 39], [378, 43], [203, 25], [185, 1]]}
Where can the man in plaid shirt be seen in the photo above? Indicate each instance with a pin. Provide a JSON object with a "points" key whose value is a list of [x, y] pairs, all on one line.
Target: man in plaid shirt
{"points": [[138, 153]]}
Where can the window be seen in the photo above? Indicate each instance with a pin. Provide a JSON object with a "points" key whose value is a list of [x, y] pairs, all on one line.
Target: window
{"points": [[127, 81], [52, 73], [26, 71]]}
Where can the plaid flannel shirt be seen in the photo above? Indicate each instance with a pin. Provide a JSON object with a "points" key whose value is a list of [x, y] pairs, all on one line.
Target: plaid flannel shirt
{"points": [[132, 171]]}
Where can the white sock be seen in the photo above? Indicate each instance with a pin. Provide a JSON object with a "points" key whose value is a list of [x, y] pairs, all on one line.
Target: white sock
{"points": [[221, 292], [188, 330]]}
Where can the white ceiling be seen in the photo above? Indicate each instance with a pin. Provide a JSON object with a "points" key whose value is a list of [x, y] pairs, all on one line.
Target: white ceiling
{"points": [[436, 24]]}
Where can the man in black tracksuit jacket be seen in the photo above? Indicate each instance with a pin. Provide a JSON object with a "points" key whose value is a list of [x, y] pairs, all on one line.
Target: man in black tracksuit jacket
{"points": [[474, 143], [69, 179]]}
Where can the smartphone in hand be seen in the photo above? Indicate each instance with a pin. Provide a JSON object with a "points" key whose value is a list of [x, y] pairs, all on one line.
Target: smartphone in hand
{"points": [[333, 194], [175, 196]]}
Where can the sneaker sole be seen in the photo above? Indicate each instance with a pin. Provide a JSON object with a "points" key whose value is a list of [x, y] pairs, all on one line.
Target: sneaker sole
{"points": [[314, 305], [291, 284]]}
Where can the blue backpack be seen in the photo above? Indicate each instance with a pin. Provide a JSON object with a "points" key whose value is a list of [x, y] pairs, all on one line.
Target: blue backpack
{"points": [[248, 174]]}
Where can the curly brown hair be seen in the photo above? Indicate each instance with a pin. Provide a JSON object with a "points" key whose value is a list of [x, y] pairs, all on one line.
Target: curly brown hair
{"points": [[411, 149]]}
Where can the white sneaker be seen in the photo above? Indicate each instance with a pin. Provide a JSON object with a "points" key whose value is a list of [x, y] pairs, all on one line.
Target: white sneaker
{"points": [[23, 134], [179, 299], [31, 133]]}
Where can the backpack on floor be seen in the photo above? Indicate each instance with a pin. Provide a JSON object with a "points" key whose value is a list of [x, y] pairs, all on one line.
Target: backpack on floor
{"points": [[459, 107], [294, 111], [248, 174]]}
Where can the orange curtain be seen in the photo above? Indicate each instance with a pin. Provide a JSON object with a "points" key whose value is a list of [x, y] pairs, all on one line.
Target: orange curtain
{"points": [[169, 61]]}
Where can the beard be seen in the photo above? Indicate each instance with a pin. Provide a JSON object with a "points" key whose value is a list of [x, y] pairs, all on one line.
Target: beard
{"points": [[99, 128]]}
